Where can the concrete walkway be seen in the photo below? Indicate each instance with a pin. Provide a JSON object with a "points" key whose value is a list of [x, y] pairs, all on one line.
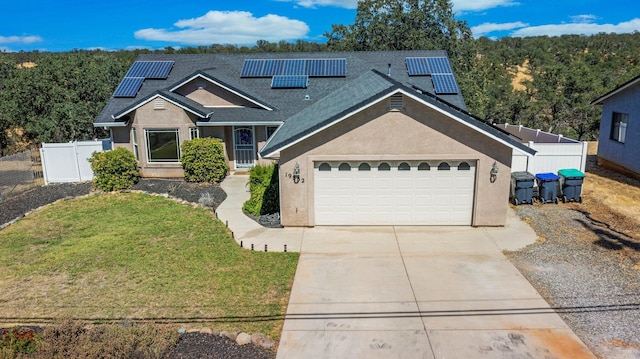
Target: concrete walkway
{"points": [[408, 292]]}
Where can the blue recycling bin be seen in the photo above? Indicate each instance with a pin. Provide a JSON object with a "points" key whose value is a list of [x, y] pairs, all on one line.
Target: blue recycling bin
{"points": [[522, 187], [571, 181], [547, 187]]}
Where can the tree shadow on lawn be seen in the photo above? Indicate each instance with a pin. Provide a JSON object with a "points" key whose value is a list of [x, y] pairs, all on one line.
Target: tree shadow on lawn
{"points": [[609, 238]]}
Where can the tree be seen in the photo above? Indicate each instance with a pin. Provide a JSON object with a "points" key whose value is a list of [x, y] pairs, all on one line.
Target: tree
{"points": [[403, 25]]}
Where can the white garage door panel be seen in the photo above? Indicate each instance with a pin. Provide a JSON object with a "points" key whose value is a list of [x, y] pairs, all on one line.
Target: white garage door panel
{"points": [[394, 197]]}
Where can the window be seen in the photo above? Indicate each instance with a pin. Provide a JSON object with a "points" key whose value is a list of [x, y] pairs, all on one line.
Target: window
{"points": [[194, 132], [324, 167], [364, 167], [134, 139], [271, 130], [384, 167], [443, 166], [163, 145], [424, 167], [404, 167], [344, 167], [619, 126], [464, 167]]}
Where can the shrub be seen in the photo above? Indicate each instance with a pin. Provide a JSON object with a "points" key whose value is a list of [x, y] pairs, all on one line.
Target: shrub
{"points": [[18, 340], [114, 170], [203, 160], [70, 339], [264, 188]]}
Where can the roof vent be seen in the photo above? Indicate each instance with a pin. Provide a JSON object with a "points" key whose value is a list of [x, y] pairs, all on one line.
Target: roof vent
{"points": [[396, 102], [307, 97], [389, 70]]}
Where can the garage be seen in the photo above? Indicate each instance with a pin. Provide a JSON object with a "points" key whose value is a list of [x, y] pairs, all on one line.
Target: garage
{"points": [[430, 192]]}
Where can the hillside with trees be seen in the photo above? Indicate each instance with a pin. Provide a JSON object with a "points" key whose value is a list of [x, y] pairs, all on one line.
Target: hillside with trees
{"points": [[539, 82]]}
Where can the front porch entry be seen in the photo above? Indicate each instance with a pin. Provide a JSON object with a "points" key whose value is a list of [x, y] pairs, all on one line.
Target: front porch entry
{"points": [[244, 146]]}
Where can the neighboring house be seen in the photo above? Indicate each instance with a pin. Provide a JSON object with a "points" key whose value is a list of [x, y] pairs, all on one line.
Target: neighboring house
{"points": [[619, 140], [362, 138]]}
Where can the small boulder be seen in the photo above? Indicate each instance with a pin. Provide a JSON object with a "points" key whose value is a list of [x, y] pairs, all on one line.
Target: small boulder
{"points": [[232, 335], [206, 330], [262, 341], [243, 339]]}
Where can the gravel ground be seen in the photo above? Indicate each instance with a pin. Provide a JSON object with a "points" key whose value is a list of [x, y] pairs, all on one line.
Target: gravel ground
{"points": [[589, 272], [206, 346]]}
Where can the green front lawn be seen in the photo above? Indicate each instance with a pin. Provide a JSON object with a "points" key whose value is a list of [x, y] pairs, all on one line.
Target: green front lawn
{"points": [[136, 256]]}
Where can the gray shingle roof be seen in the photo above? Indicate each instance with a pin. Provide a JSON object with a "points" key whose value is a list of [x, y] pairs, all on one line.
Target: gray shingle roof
{"points": [[226, 68], [366, 89]]}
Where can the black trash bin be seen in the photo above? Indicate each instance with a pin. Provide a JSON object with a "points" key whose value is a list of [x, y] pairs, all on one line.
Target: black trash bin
{"points": [[547, 187], [522, 187], [571, 181]]}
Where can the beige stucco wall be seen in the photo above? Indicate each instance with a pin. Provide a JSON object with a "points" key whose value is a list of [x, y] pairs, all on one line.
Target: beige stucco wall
{"points": [[207, 93], [414, 133]]}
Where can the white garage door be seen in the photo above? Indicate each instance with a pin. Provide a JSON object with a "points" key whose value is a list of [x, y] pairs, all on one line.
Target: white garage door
{"points": [[394, 193]]}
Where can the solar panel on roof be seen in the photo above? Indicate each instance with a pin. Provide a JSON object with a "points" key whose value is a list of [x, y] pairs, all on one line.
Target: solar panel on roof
{"points": [[294, 67], [252, 68], [439, 65], [417, 66], [159, 69], [335, 67], [150, 69], [138, 69], [315, 67], [444, 83], [289, 81], [129, 87], [273, 67]]}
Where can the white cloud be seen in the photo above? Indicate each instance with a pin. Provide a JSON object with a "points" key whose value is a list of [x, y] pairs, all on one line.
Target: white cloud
{"points": [[583, 18], [480, 5], [578, 28], [347, 4], [489, 27], [20, 39], [228, 27]]}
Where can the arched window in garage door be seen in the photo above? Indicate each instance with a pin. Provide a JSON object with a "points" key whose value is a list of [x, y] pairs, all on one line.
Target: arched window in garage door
{"points": [[384, 167], [464, 167], [364, 167], [424, 167], [324, 167], [443, 166], [344, 167]]}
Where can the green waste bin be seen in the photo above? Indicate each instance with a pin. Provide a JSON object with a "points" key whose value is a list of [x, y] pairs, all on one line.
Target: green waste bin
{"points": [[571, 181], [522, 187]]}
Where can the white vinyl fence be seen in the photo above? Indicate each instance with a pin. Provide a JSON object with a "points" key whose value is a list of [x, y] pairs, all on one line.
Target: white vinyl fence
{"points": [[68, 162], [551, 157]]}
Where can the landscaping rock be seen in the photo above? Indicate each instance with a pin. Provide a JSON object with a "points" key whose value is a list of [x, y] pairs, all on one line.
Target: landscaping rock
{"points": [[243, 339], [206, 330], [262, 341]]}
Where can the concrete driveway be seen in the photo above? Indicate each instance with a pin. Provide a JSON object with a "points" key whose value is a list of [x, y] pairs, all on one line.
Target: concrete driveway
{"points": [[418, 292], [407, 292]]}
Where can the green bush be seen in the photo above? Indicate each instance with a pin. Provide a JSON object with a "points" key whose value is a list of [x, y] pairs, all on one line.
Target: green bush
{"points": [[263, 185], [114, 170], [18, 340], [203, 160]]}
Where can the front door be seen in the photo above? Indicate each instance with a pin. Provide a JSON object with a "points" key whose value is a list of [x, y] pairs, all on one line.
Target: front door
{"points": [[244, 147]]}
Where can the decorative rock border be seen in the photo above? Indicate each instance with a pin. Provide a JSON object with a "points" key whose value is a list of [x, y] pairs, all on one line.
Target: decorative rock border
{"points": [[241, 338]]}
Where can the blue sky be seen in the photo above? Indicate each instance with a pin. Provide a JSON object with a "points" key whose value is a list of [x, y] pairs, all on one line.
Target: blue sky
{"points": [[64, 25]]}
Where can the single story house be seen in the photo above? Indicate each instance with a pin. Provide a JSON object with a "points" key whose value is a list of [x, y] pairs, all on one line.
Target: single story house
{"points": [[361, 138], [619, 139]]}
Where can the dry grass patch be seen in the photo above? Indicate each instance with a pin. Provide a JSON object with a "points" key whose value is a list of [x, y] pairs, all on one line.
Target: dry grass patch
{"points": [[611, 197], [133, 256]]}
